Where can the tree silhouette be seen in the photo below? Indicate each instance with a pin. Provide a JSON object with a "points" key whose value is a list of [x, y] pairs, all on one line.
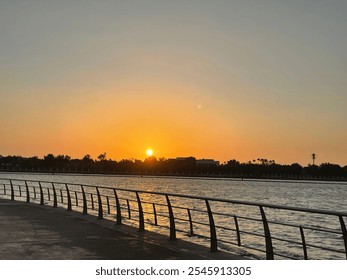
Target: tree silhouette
{"points": [[87, 157], [102, 157], [259, 168]]}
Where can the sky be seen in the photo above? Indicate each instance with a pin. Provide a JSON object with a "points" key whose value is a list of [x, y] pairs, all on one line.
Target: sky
{"points": [[219, 79]]}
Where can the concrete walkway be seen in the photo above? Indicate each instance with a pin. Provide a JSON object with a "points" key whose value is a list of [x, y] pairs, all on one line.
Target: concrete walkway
{"points": [[30, 231]]}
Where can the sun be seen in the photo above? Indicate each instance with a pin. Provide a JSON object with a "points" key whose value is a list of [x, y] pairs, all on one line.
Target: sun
{"points": [[149, 152]]}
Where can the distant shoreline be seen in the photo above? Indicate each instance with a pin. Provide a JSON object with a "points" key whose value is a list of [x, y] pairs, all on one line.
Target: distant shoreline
{"points": [[221, 177]]}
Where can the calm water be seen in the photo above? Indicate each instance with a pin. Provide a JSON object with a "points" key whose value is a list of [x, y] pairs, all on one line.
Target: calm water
{"points": [[318, 195]]}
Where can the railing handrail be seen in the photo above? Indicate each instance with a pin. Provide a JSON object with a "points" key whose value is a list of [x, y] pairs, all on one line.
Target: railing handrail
{"points": [[239, 202]]}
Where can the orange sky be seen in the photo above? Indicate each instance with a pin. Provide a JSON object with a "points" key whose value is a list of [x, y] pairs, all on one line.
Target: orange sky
{"points": [[222, 81]]}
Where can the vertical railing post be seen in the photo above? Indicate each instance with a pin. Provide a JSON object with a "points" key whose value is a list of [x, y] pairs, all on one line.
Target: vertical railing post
{"points": [[213, 233], [129, 211], [42, 200], [69, 206], [344, 232], [12, 190], [155, 214], [172, 219], [34, 192], [92, 200], [76, 198], [100, 212], [304, 248], [4, 189], [27, 192], [85, 205], [141, 218], [268, 240], [119, 213], [108, 205], [61, 196], [48, 194], [190, 222], [55, 202], [237, 231], [20, 190]]}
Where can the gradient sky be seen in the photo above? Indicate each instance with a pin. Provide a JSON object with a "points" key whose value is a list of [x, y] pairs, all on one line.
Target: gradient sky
{"points": [[212, 79]]}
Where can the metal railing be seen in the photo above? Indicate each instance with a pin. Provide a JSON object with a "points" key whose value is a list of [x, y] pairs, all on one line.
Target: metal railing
{"points": [[263, 230]]}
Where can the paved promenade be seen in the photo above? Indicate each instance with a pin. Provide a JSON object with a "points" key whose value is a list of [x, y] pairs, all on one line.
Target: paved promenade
{"points": [[29, 231]]}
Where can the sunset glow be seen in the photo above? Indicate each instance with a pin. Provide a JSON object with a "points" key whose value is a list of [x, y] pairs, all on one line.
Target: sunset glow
{"points": [[225, 80]]}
